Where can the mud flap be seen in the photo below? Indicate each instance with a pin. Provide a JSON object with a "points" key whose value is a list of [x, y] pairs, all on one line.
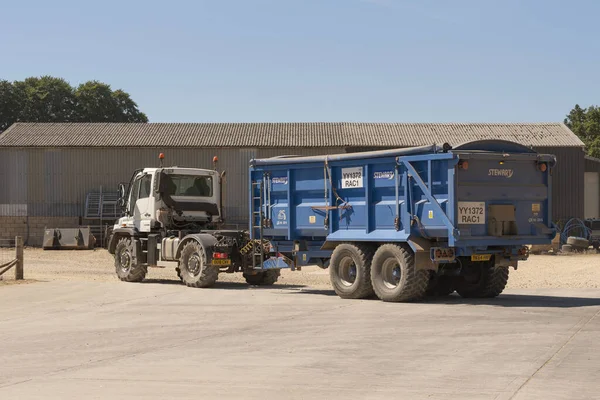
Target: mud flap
{"points": [[139, 257], [421, 247]]}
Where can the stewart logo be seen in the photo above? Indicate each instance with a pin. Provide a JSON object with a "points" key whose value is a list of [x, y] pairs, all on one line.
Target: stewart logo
{"points": [[281, 180], [506, 173], [384, 175]]}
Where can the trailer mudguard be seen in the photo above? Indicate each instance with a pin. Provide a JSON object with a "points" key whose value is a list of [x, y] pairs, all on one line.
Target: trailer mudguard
{"points": [[420, 248], [207, 241]]}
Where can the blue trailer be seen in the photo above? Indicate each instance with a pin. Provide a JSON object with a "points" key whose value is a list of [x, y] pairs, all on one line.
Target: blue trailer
{"points": [[403, 223]]}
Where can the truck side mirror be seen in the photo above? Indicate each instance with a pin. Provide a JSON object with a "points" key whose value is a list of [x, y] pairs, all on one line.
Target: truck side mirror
{"points": [[122, 201], [122, 190]]}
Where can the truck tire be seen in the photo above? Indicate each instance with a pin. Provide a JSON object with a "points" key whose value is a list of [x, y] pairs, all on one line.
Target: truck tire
{"points": [[350, 271], [266, 278], [578, 243], [126, 267], [395, 277], [439, 286], [491, 283], [194, 269]]}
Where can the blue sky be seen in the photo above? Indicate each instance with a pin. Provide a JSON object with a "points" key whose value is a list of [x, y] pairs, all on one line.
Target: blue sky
{"points": [[317, 60]]}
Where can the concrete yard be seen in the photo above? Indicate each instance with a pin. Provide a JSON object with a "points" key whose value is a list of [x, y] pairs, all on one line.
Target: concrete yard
{"points": [[80, 338]]}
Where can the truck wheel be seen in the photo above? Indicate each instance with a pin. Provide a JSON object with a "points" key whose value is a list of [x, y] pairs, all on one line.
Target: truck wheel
{"points": [[490, 283], [266, 278], [349, 271], [395, 276], [128, 270], [194, 270], [439, 286]]}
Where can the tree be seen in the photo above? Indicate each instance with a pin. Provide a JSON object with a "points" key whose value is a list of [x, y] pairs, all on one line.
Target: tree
{"points": [[10, 104], [585, 123], [45, 99], [96, 102], [50, 99]]}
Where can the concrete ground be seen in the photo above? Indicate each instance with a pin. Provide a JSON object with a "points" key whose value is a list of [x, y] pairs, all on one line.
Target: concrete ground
{"points": [[160, 340]]}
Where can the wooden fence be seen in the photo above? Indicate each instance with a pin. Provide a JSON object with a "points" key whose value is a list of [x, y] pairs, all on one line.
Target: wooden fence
{"points": [[17, 261]]}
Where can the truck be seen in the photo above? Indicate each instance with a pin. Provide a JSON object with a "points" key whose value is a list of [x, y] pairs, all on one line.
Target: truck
{"points": [[398, 224]]}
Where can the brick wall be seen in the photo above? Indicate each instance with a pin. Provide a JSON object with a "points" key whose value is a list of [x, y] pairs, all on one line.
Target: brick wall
{"points": [[20, 226]]}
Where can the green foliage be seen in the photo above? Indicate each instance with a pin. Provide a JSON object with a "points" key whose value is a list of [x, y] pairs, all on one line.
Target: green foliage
{"points": [[585, 123], [50, 99]]}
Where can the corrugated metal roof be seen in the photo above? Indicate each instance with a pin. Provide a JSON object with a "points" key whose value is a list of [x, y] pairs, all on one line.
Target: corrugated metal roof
{"points": [[265, 135]]}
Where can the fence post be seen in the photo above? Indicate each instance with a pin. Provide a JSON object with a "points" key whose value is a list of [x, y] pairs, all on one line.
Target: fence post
{"points": [[19, 265]]}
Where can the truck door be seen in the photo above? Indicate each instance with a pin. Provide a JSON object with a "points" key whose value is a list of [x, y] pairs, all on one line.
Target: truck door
{"points": [[142, 214]]}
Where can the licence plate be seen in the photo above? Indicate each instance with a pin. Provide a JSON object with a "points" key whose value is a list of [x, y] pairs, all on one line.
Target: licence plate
{"points": [[221, 262], [471, 212], [481, 257]]}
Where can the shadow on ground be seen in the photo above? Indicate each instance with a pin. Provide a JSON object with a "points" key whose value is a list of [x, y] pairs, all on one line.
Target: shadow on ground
{"points": [[12, 282], [504, 300], [520, 300], [224, 285]]}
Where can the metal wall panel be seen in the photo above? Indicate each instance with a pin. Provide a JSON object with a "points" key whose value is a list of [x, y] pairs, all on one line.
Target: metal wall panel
{"points": [[592, 164], [568, 182], [13, 182], [54, 182]]}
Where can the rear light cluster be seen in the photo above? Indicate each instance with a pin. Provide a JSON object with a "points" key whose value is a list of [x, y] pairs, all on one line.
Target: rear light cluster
{"points": [[463, 164], [444, 253], [220, 256], [523, 251]]}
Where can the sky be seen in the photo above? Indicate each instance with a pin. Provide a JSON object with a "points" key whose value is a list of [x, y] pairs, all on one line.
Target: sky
{"points": [[317, 60]]}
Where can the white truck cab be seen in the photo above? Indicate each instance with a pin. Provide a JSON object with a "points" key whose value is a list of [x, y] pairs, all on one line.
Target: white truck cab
{"points": [[170, 197]]}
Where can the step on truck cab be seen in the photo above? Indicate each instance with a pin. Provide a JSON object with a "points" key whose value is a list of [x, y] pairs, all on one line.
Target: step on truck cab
{"points": [[407, 222]]}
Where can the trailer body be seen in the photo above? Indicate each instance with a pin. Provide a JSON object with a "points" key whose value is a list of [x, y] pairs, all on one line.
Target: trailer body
{"points": [[477, 200]]}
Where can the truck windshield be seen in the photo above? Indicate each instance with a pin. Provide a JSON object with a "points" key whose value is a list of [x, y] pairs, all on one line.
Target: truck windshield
{"points": [[190, 185]]}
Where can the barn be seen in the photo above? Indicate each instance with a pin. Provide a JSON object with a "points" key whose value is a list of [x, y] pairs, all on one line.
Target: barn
{"points": [[66, 174]]}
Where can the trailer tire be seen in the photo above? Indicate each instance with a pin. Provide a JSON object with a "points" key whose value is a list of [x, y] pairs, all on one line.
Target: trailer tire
{"points": [[350, 271], [128, 270], [265, 278], [194, 269], [491, 283], [395, 277]]}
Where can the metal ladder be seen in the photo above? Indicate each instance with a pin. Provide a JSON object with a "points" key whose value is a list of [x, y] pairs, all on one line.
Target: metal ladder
{"points": [[257, 252]]}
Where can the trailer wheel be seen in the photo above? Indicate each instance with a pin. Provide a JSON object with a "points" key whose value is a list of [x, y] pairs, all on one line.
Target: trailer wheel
{"points": [[266, 278], [349, 271], [395, 276], [128, 270], [194, 269], [490, 282]]}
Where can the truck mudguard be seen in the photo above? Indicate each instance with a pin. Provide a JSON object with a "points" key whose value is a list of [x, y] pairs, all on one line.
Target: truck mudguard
{"points": [[205, 240]]}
